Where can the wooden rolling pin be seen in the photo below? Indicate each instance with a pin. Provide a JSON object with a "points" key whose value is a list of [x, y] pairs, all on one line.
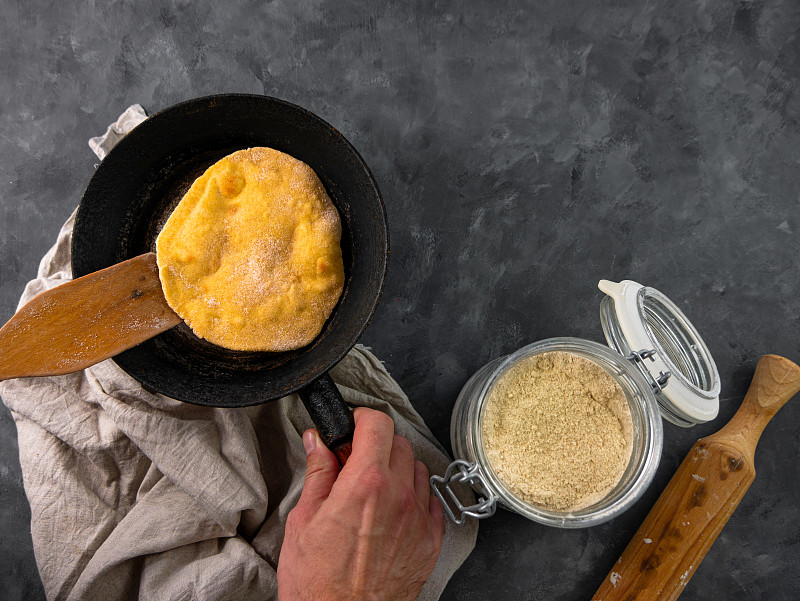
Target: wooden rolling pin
{"points": [[702, 495]]}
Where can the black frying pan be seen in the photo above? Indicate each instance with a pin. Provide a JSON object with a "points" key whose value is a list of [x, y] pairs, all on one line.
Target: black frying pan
{"points": [[144, 177]]}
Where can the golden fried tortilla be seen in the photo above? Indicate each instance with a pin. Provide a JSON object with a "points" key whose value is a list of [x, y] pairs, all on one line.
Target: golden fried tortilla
{"points": [[250, 258]]}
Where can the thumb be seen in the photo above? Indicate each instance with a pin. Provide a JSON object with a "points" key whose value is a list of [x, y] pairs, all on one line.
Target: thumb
{"points": [[322, 469]]}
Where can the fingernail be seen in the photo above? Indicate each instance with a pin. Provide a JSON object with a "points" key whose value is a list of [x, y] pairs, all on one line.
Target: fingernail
{"points": [[309, 440]]}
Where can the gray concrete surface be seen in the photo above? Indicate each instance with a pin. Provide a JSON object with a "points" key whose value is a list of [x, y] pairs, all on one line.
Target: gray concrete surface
{"points": [[525, 150]]}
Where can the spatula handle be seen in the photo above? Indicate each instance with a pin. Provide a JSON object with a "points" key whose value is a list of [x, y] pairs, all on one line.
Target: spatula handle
{"points": [[696, 504]]}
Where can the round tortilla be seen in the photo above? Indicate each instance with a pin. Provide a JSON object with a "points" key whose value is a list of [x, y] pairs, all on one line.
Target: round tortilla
{"points": [[250, 258]]}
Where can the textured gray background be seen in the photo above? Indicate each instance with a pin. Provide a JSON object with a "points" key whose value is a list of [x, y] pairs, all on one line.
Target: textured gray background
{"points": [[524, 150]]}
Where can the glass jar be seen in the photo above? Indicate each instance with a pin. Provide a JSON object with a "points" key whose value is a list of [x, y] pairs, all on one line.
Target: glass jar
{"points": [[675, 353]]}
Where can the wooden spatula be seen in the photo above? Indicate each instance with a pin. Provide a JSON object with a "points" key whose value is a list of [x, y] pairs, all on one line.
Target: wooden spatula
{"points": [[697, 502], [82, 322]]}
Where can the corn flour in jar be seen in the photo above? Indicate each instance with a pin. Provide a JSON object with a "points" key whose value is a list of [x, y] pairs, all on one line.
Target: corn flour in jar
{"points": [[567, 432], [557, 431]]}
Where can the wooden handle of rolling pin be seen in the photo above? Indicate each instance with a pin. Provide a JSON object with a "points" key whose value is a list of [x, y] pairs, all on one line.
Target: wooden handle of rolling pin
{"points": [[697, 502]]}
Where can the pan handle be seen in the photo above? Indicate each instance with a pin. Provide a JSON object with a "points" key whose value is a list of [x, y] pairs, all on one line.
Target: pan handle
{"points": [[331, 415]]}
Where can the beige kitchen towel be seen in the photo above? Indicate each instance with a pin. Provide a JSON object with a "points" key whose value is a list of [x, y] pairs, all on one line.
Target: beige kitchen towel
{"points": [[138, 496]]}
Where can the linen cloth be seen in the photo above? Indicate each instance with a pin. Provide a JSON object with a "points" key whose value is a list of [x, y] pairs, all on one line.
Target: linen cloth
{"points": [[135, 495]]}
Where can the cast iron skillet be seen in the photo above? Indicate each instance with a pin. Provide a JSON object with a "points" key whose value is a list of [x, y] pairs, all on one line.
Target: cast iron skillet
{"points": [[137, 186]]}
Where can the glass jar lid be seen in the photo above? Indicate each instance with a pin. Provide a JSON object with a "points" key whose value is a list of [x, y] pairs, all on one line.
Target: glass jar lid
{"points": [[648, 328]]}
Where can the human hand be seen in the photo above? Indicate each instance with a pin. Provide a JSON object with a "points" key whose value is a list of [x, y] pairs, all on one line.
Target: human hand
{"points": [[368, 532]]}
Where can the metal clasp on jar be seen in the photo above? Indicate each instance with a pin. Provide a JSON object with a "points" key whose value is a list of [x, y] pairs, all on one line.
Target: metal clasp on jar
{"points": [[656, 383], [465, 472]]}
